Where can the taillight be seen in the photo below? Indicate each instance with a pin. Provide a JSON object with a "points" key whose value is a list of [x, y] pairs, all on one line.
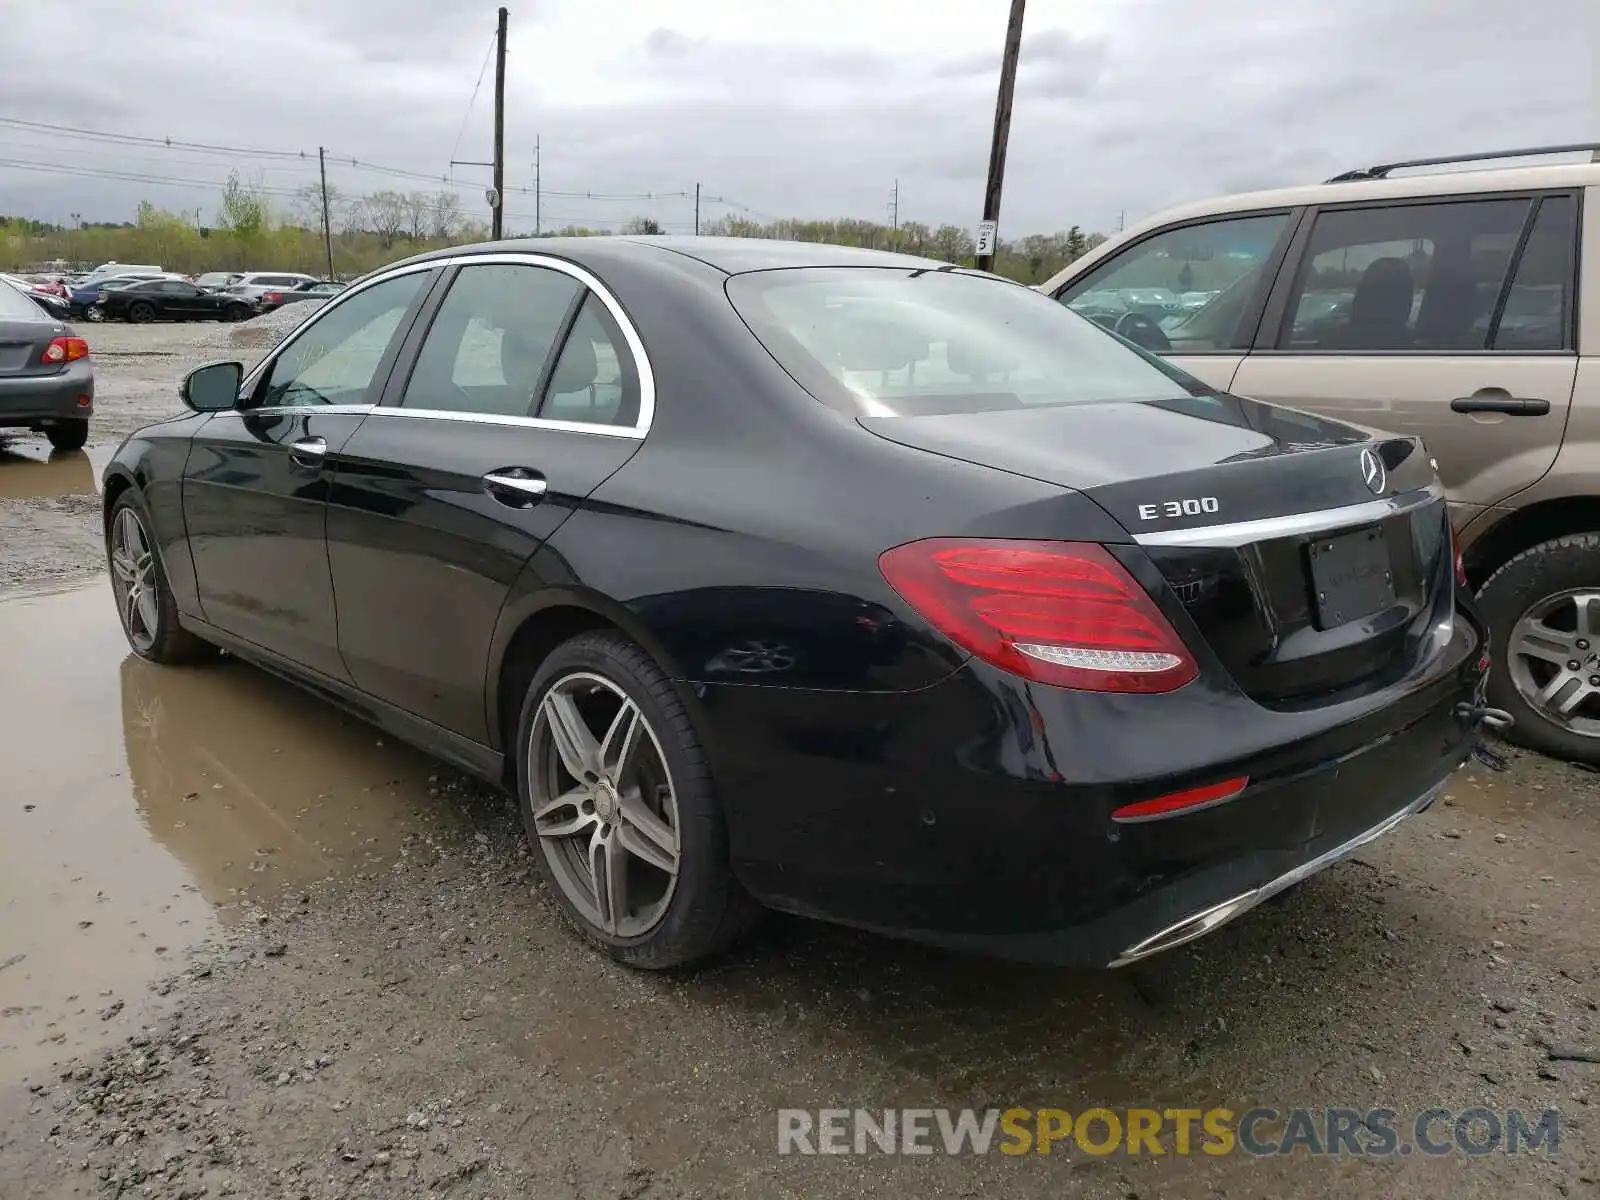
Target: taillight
{"points": [[272, 298], [65, 350], [1061, 613]]}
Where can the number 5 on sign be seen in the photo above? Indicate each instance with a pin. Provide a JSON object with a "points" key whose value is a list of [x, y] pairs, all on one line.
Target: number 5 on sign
{"points": [[986, 237]]}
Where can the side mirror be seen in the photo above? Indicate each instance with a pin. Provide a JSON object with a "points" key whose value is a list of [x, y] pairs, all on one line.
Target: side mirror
{"points": [[213, 387]]}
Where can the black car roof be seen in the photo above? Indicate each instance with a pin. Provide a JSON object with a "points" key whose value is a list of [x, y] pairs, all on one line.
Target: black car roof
{"points": [[727, 254]]}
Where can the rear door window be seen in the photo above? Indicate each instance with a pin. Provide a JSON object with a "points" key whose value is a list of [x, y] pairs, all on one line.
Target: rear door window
{"points": [[489, 347], [1423, 277], [594, 382], [1537, 314]]}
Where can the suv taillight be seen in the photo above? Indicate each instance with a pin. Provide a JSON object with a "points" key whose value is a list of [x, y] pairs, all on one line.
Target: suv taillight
{"points": [[65, 350], [273, 298], [1061, 613]]}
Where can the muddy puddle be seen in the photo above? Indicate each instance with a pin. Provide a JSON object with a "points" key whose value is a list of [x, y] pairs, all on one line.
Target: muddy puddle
{"points": [[145, 805], [29, 471]]}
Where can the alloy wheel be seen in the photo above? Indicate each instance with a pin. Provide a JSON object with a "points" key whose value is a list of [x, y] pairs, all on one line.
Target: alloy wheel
{"points": [[1553, 659], [603, 804], [134, 580]]}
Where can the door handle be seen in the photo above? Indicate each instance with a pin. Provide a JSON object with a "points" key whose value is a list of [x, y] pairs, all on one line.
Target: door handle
{"points": [[517, 487], [1494, 400], [308, 452]]}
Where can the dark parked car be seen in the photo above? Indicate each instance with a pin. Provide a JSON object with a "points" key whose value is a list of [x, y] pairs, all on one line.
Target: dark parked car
{"points": [[851, 584], [46, 378], [170, 300], [84, 299], [321, 289]]}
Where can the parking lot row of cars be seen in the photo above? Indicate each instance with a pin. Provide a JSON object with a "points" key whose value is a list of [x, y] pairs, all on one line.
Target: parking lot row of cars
{"points": [[147, 292]]}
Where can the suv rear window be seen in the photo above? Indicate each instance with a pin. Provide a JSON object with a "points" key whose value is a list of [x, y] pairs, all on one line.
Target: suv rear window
{"points": [[890, 342]]}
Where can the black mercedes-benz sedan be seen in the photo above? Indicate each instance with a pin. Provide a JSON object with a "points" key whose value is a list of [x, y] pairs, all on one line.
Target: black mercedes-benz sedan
{"points": [[838, 582]]}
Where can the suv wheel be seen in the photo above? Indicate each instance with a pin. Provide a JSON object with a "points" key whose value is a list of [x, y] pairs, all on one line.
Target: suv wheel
{"points": [[1543, 609], [618, 802]]}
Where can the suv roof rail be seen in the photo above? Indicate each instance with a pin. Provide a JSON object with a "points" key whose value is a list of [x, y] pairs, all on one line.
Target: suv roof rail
{"points": [[1382, 170]]}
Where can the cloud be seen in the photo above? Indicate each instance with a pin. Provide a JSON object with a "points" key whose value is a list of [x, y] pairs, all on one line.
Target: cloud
{"points": [[804, 110]]}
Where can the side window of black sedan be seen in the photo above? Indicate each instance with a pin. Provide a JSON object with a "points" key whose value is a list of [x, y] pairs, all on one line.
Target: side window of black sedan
{"points": [[489, 345], [333, 359], [594, 381]]}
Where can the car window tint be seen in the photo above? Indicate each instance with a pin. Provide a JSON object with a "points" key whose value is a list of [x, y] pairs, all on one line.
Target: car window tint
{"points": [[1538, 308], [594, 380], [333, 359], [1406, 277], [487, 348], [1196, 282]]}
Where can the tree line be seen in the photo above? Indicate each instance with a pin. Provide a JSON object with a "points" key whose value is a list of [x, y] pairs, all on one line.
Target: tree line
{"points": [[253, 232]]}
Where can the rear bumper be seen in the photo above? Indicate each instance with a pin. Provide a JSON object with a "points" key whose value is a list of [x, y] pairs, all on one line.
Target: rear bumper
{"points": [[976, 814], [42, 399], [1204, 921]]}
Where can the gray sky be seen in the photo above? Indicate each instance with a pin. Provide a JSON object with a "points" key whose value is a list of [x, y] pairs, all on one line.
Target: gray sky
{"points": [[805, 108]]}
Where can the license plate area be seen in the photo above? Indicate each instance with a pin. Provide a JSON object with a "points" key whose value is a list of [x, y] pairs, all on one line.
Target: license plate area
{"points": [[1351, 576]]}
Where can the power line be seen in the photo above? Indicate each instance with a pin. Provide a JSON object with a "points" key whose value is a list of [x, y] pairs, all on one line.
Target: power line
{"points": [[460, 133], [143, 140]]}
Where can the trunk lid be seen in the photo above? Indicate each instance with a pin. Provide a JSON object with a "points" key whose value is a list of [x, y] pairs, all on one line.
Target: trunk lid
{"points": [[1310, 557], [22, 343]]}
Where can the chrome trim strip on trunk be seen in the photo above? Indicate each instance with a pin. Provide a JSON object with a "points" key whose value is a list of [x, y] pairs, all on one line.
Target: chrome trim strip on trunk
{"points": [[1202, 923], [1243, 533]]}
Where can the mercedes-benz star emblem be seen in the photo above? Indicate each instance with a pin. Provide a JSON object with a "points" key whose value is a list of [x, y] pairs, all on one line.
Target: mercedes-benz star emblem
{"points": [[1372, 472]]}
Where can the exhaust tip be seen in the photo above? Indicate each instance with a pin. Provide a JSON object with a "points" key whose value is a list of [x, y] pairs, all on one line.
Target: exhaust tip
{"points": [[1188, 929]]}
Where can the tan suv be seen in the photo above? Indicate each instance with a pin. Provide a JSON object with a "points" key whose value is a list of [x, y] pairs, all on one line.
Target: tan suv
{"points": [[1446, 305]]}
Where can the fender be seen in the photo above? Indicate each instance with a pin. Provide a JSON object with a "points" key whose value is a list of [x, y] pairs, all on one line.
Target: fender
{"points": [[533, 593]]}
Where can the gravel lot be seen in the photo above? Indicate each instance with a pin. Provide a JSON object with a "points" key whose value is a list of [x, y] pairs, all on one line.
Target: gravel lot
{"points": [[250, 949]]}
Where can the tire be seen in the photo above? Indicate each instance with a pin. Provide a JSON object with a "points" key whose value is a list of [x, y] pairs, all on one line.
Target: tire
{"points": [[141, 314], [152, 629], [686, 917], [235, 313], [68, 435], [1538, 585], [94, 313]]}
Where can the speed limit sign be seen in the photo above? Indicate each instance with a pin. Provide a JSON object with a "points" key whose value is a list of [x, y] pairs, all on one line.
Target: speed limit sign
{"points": [[986, 236]]}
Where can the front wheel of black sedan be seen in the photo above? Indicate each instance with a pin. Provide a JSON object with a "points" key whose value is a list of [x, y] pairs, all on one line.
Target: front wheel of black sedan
{"points": [[145, 604], [617, 797]]}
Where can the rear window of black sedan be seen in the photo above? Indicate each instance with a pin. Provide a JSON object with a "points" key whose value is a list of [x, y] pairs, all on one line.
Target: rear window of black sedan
{"points": [[890, 342]]}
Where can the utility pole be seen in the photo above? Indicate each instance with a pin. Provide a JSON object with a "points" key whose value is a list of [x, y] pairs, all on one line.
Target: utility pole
{"points": [[1122, 220], [697, 210], [327, 224], [500, 125], [988, 232], [537, 225], [894, 207]]}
